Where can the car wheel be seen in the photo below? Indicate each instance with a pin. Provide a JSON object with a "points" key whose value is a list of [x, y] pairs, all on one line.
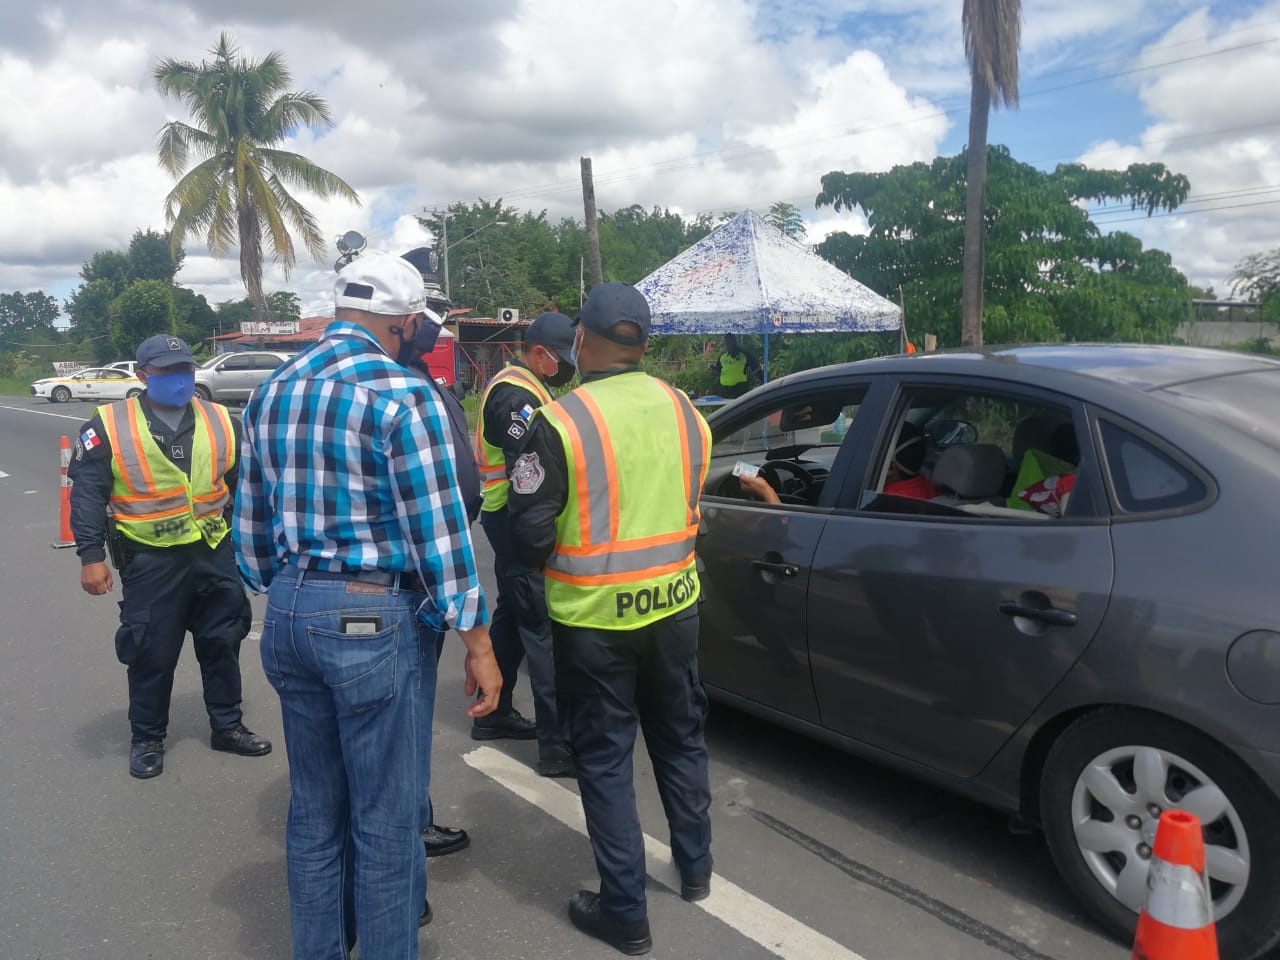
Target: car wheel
{"points": [[1106, 781], [203, 392], [135, 392], [59, 395]]}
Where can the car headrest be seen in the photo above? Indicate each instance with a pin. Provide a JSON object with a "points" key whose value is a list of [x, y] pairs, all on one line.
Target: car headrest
{"points": [[1037, 433], [972, 471]]}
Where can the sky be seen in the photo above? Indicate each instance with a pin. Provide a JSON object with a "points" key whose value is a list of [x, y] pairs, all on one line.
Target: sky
{"points": [[699, 106]]}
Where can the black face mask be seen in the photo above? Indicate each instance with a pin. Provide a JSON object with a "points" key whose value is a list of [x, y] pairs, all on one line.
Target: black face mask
{"points": [[564, 373], [423, 341]]}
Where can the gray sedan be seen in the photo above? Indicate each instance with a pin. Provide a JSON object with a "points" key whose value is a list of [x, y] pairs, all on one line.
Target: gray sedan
{"points": [[1041, 576]]}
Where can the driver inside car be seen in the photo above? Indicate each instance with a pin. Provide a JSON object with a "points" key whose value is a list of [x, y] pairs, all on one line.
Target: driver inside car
{"points": [[757, 488]]}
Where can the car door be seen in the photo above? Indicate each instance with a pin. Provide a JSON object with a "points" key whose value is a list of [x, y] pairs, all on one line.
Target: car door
{"points": [[936, 631], [754, 558], [86, 385], [234, 377], [114, 384]]}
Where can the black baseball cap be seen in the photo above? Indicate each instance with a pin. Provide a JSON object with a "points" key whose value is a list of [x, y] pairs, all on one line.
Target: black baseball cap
{"points": [[164, 350], [611, 304], [553, 330]]}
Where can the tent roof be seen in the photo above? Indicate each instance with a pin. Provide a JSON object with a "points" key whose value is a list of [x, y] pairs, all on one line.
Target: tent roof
{"points": [[747, 276]]}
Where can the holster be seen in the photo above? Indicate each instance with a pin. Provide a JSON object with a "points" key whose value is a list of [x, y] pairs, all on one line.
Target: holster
{"points": [[116, 548]]}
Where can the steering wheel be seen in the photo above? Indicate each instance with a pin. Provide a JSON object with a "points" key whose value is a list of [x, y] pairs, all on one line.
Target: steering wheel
{"points": [[798, 487]]}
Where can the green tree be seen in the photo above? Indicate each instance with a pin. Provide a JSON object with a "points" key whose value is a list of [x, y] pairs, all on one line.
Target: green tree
{"points": [[151, 256], [284, 305], [27, 318], [992, 32], [786, 217], [238, 190], [144, 309], [1051, 273], [109, 266], [194, 319]]}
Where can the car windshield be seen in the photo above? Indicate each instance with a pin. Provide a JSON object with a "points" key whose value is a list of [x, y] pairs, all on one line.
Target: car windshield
{"points": [[1246, 402]]}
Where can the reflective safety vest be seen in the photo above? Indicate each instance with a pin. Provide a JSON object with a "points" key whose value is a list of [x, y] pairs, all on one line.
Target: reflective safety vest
{"points": [[490, 460], [733, 370], [637, 453], [154, 502]]}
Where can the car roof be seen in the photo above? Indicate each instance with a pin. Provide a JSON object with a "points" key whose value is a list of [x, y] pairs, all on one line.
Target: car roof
{"points": [[1143, 367]]}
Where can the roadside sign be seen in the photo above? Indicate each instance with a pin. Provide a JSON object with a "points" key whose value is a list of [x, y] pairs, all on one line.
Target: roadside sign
{"points": [[268, 328]]}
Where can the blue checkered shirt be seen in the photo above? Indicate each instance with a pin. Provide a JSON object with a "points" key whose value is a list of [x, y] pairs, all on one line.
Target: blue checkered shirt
{"points": [[348, 464]]}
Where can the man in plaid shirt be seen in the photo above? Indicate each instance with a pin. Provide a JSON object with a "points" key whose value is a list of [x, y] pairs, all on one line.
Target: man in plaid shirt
{"points": [[350, 518]]}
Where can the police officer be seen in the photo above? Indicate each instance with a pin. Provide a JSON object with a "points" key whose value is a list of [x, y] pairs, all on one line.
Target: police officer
{"points": [[605, 498], [734, 367], [520, 626], [164, 466]]}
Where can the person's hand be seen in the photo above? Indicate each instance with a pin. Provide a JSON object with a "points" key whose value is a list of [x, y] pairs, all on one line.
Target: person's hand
{"points": [[95, 579], [759, 488], [482, 673]]}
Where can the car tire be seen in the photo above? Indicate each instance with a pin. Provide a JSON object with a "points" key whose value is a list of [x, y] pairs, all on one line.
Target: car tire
{"points": [[59, 395], [135, 392], [203, 392], [1104, 750]]}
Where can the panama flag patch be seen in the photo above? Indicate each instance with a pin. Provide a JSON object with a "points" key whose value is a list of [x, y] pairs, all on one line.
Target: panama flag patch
{"points": [[90, 439]]}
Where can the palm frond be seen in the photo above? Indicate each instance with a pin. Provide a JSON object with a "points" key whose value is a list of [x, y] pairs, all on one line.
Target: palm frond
{"points": [[177, 140], [992, 34], [301, 219], [297, 171], [293, 110]]}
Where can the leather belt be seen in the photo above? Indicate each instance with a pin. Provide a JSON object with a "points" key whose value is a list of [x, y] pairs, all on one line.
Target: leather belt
{"points": [[380, 578]]}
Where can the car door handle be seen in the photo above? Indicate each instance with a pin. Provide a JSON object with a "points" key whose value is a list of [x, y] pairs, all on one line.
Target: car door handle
{"points": [[1050, 615], [782, 567]]}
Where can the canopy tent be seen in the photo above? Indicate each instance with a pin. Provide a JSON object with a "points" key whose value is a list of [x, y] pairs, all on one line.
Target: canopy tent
{"points": [[747, 276]]}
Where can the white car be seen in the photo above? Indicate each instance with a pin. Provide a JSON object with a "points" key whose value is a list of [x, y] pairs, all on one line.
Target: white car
{"points": [[96, 383], [128, 366]]}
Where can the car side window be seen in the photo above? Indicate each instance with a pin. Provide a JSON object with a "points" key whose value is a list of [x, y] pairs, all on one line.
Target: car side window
{"points": [[783, 454], [240, 361], [978, 453], [1146, 479], [265, 361]]}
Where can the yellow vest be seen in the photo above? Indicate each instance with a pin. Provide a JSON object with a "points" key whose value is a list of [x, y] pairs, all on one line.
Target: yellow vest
{"points": [[637, 454], [490, 460], [733, 370], [154, 502]]}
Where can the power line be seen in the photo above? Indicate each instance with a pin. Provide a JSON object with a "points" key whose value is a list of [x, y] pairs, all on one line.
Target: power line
{"points": [[1190, 213]]}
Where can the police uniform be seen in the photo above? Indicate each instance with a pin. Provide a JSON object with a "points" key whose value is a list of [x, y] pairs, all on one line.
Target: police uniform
{"points": [[605, 499], [733, 369], [169, 488], [520, 628]]}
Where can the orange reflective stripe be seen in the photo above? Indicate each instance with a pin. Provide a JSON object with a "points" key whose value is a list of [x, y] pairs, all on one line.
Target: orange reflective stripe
{"points": [[641, 543], [581, 481], [622, 576], [608, 462], [143, 465], [108, 414], [684, 439]]}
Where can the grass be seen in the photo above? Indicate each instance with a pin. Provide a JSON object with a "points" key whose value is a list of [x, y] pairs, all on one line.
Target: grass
{"points": [[15, 386]]}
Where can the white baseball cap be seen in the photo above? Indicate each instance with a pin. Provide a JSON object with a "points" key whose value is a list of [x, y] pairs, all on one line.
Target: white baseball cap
{"points": [[383, 284]]}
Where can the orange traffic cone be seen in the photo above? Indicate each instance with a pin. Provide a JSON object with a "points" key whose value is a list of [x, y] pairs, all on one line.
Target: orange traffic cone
{"points": [[65, 537], [1177, 921]]}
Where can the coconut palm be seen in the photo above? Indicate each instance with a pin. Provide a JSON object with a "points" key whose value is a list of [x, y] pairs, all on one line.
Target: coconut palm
{"points": [[238, 191], [992, 31]]}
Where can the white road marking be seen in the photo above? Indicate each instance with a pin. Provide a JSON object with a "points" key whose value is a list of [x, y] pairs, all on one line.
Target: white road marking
{"points": [[780, 934], [44, 413], [3, 474]]}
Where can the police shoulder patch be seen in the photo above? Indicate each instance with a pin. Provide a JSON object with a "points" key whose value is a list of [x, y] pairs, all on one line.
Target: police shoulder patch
{"points": [[517, 431], [527, 474]]}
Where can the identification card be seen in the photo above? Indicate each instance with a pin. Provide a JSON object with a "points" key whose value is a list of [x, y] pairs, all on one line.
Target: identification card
{"points": [[744, 469]]}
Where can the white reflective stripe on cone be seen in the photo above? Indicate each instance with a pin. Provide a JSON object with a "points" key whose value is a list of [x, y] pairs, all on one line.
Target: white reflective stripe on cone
{"points": [[1178, 896]]}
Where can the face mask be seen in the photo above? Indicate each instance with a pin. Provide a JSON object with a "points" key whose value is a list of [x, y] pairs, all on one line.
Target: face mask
{"points": [[172, 389], [562, 374], [423, 341]]}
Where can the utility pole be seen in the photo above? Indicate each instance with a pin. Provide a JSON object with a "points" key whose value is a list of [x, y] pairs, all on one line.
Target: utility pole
{"points": [[593, 230], [444, 247]]}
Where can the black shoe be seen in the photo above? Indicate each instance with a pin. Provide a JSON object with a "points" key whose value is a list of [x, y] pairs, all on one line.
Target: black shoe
{"points": [[426, 913], [556, 762], [146, 759], [630, 938], [696, 888], [441, 841], [240, 740], [507, 725]]}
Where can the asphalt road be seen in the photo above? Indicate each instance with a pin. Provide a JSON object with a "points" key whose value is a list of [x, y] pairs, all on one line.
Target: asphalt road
{"points": [[820, 855]]}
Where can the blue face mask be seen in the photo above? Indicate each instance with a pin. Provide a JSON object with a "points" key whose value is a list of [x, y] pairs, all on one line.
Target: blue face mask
{"points": [[172, 389]]}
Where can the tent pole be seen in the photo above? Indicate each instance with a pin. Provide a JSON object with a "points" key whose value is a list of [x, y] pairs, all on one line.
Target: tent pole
{"points": [[765, 374]]}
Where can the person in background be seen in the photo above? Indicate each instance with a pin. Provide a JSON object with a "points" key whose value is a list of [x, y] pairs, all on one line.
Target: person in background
{"points": [[161, 468], [350, 517], [520, 626], [605, 498], [735, 367]]}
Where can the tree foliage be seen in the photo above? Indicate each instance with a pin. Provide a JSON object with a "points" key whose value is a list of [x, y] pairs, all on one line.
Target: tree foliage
{"points": [[787, 218], [27, 318], [1051, 274], [238, 191], [1257, 277], [145, 308]]}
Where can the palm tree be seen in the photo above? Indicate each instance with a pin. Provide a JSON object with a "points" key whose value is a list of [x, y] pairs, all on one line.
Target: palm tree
{"points": [[238, 191], [992, 31]]}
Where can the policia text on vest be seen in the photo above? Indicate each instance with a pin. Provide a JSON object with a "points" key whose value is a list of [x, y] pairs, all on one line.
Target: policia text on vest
{"points": [[653, 599]]}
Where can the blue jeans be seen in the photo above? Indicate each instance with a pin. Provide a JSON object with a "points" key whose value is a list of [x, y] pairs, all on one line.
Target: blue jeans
{"points": [[356, 681]]}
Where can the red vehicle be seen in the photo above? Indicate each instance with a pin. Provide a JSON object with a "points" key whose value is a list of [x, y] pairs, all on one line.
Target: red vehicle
{"points": [[442, 361]]}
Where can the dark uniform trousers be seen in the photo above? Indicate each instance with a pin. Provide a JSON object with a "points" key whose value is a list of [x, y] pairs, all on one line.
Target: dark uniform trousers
{"points": [[165, 593], [520, 629], [608, 680]]}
